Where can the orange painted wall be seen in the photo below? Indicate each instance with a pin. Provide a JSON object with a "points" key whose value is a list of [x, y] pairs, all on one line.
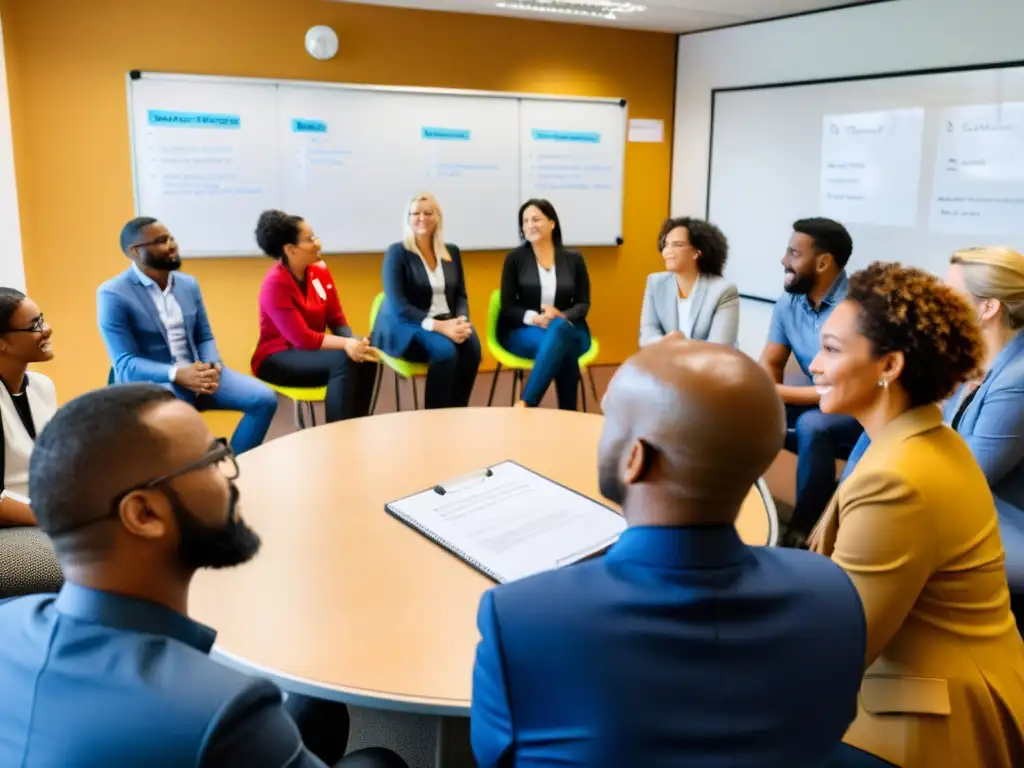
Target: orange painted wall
{"points": [[67, 62]]}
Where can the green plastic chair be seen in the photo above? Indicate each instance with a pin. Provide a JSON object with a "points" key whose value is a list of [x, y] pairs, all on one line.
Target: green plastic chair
{"points": [[300, 396], [403, 369], [520, 365]]}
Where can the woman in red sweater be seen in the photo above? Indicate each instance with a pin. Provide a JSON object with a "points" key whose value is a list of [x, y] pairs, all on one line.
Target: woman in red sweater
{"points": [[298, 304]]}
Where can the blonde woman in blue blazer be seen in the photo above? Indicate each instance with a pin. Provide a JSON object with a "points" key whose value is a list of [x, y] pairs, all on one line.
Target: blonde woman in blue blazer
{"points": [[691, 296]]}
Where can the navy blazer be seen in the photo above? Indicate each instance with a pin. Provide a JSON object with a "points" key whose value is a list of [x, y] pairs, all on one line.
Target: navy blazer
{"points": [[680, 647], [520, 287], [408, 295], [993, 426], [96, 679], [134, 335]]}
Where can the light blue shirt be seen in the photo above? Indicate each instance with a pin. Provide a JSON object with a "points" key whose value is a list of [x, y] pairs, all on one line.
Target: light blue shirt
{"points": [[169, 310], [797, 325]]}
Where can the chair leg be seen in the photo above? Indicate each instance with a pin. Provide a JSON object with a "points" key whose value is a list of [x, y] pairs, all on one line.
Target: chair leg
{"points": [[593, 384], [415, 396], [299, 421], [494, 383], [398, 394], [515, 381], [378, 380], [312, 413], [583, 392]]}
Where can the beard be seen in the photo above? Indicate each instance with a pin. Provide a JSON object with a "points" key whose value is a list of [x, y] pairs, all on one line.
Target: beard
{"points": [[800, 284], [609, 479], [167, 263], [204, 547]]}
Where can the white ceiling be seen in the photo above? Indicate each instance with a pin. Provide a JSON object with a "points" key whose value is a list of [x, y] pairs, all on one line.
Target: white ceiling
{"points": [[661, 15]]}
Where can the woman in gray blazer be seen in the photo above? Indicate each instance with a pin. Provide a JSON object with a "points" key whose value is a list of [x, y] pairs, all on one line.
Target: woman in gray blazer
{"points": [[691, 296]]}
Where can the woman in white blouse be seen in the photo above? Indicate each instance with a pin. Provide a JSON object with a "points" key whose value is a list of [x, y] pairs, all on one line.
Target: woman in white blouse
{"points": [[27, 401], [691, 296]]}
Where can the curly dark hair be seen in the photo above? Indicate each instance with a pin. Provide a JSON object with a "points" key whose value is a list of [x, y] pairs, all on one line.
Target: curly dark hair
{"points": [[705, 237], [903, 309], [275, 230]]}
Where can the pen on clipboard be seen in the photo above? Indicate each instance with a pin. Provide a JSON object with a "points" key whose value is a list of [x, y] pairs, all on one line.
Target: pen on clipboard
{"points": [[450, 486]]}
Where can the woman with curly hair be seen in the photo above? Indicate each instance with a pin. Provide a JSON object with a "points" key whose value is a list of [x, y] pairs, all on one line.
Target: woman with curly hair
{"points": [[691, 296], [989, 412], [915, 528]]}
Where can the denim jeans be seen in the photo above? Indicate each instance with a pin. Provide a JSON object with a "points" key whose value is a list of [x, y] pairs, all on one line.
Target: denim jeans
{"points": [[555, 351], [821, 439], [237, 392]]}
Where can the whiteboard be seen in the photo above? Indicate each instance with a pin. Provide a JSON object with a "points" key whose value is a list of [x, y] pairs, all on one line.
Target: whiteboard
{"points": [[209, 154], [916, 165]]}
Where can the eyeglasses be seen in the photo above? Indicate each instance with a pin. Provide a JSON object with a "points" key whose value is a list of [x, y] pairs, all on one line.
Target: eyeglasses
{"points": [[38, 326], [162, 240], [219, 454], [675, 246]]}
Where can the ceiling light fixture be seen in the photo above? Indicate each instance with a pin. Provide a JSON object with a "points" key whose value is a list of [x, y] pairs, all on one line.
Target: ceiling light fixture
{"points": [[596, 9]]}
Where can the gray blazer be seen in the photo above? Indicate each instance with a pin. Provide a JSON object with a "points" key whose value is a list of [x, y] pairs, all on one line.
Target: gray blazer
{"points": [[714, 310]]}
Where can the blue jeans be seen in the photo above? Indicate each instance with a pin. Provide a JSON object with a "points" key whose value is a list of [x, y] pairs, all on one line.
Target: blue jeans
{"points": [[237, 392], [820, 440], [555, 352], [451, 367]]}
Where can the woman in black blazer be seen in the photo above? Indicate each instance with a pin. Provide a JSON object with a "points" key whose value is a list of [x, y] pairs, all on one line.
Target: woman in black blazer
{"points": [[545, 297], [425, 315]]}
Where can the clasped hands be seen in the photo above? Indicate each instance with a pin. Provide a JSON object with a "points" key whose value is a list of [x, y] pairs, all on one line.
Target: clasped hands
{"points": [[360, 351], [199, 378], [546, 315], [458, 329]]}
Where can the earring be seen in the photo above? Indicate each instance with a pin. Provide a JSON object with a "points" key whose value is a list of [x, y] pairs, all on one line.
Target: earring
{"points": [[883, 383]]}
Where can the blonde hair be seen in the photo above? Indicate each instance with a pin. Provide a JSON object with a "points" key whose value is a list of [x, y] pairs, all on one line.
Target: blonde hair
{"points": [[995, 272], [409, 239]]}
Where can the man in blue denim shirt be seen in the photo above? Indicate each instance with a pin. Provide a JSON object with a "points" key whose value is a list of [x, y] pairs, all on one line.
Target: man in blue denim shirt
{"points": [[815, 282]]}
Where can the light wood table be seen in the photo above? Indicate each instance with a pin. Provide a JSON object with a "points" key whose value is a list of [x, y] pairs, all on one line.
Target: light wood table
{"points": [[345, 602]]}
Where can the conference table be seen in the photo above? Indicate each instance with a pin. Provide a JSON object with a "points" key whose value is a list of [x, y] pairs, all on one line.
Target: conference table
{"points": [[346, 602]]}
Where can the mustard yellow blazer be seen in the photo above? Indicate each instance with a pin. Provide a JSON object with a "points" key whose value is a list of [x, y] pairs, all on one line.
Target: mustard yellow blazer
{"points": [[915, 528]]}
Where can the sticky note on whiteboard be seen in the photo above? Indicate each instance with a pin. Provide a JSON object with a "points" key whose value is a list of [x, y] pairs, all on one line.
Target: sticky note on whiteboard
{"points": [[647, 131]]}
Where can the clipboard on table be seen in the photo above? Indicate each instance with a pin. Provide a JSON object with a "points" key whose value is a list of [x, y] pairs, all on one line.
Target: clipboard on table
{"points": [[509, 522]]}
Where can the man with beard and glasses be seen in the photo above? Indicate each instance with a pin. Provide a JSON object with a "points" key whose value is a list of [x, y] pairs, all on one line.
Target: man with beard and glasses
{"points": [[681, 646], [815, 282], [155, 327], [136, 495]]}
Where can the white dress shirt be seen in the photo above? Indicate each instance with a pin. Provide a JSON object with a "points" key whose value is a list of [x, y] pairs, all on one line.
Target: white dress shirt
{"points": [[548, 286], [438, 301], [169, 310]]}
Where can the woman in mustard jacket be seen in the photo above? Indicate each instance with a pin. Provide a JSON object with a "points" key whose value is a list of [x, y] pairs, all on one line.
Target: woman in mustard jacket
{"points": [[915, 527]]}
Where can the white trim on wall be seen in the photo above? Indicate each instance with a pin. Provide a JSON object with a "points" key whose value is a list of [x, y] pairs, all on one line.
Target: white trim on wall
{"points": [[12, 265]]}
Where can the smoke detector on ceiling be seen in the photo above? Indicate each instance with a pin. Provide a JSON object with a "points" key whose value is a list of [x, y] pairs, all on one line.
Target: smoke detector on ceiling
{"points": [[322, 42]]}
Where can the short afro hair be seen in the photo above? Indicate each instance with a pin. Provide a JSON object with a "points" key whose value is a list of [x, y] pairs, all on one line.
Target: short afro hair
{"points": [[95, 447], [829, 237], [705, 237], [132, 231], [903, 309], [275, 230]]}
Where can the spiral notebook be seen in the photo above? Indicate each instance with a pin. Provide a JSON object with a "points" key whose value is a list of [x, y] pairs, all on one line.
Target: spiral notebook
{"points": [[509, 522]]}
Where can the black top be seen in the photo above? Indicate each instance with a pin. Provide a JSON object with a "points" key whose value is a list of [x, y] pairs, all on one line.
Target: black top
{"points": [[20, 400], [520, 286]]}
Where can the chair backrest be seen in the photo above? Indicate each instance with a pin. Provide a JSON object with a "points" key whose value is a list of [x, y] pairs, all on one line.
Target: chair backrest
{"points": [[493, 311], [375, 308]]}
